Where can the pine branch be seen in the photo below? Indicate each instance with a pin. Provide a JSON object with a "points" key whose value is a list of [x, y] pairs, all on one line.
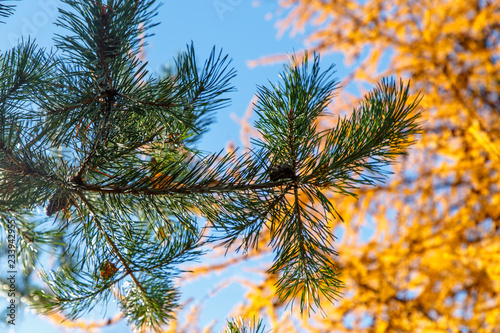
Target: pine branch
{"points": [[116, 251], [6, 10], [352, 153], [357, 149]]}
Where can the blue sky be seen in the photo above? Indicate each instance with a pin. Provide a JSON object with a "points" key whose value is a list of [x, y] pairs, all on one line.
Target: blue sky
{"points": [[243, 29]]}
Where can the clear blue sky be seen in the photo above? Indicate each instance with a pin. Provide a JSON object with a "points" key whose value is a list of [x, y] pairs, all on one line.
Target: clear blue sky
{"points": [[239, 27]]}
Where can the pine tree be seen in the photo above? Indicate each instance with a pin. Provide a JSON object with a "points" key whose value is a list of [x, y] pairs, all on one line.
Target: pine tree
{"points": [[109, 151]]}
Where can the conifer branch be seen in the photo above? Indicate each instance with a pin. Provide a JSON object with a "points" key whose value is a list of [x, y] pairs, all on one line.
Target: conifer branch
{"points": [[116, 251], [180, 189], [6, 10]]}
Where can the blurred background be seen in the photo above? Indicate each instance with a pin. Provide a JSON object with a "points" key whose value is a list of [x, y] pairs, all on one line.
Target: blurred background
{"points": [[420, 252]]}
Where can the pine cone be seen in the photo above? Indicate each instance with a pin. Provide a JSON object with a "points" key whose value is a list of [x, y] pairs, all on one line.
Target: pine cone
{"points": [[281, 171], [58, 202]]}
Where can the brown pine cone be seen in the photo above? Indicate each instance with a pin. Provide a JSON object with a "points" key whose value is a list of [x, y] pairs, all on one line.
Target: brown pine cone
{"points": [[58, 202], [281, 171]]}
